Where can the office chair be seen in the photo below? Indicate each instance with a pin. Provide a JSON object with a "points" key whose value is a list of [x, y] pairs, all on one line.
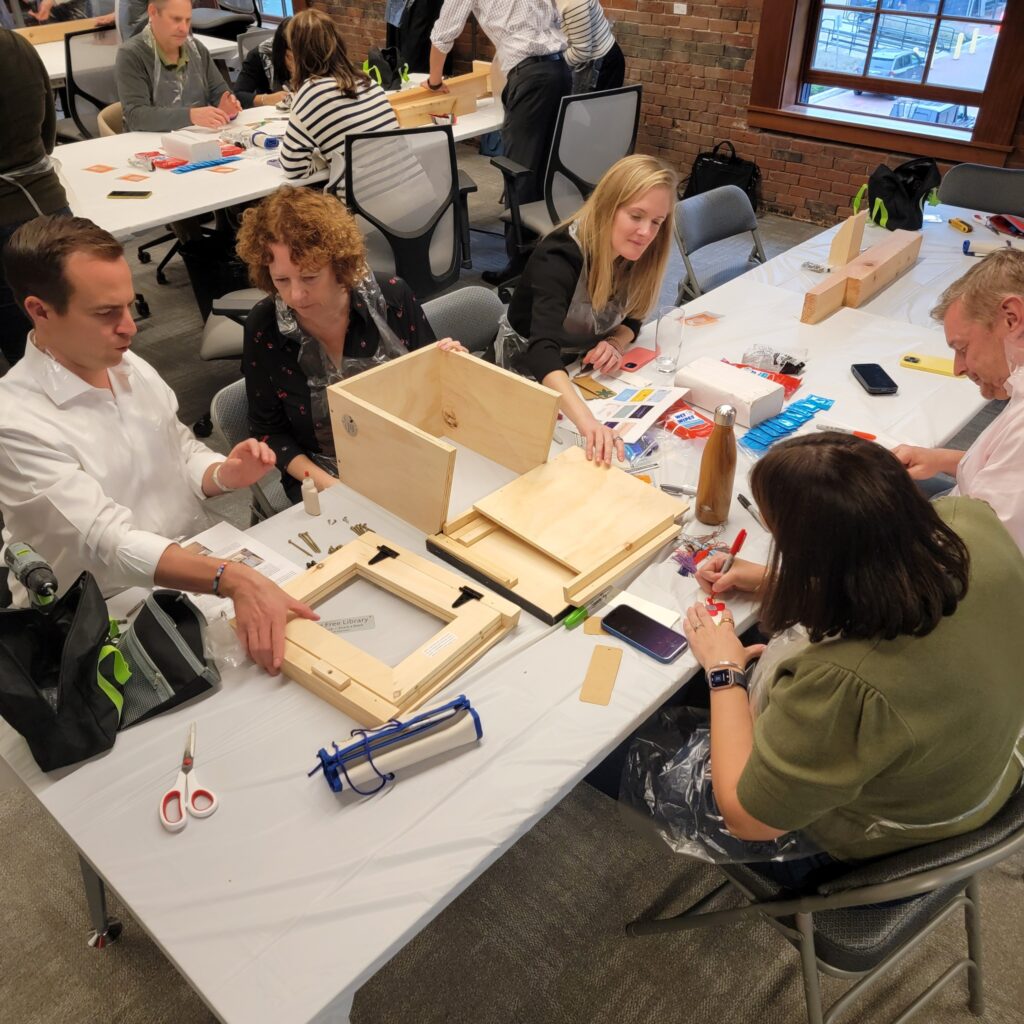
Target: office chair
{"points": [[989, 189], [708, 218], [226, 19], [592, 132], [861, 924], [89, 83], [250, 39], [403, 187]]}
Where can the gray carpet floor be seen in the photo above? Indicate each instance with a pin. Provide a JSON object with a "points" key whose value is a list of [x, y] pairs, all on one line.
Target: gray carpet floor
{"points": [[538, 939]]}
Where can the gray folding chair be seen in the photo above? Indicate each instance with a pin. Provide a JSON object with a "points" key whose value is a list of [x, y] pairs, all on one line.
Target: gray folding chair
{"points": [[250, 39], [230, 413], [593, 131], [225, 19], [859, 925], [469, 315], [90, 81], [989, 189], [711, 217], [402, 186]]}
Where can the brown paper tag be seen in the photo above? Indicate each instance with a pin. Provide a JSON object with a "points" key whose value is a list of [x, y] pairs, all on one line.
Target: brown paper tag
{"points": [[601, 673], [592, 626]]}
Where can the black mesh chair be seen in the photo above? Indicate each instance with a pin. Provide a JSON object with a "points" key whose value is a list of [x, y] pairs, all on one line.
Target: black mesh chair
{"points": [[90, 83], [403, 188], [849, 928], [593, 131], [226, 19]]}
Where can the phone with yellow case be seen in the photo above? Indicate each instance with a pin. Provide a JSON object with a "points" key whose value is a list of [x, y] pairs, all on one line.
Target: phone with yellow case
{"points": [[931, 364]]}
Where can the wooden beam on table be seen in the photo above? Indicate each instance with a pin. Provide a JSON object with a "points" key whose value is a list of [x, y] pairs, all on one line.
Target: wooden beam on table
{"points": [[55, 32]]}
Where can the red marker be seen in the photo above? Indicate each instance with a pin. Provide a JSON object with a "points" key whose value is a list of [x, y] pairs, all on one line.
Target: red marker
{"points": [[733, 551], [846, 430]]}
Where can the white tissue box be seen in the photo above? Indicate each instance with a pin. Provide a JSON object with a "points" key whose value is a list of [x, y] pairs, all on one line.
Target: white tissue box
{"points": [[190, 146], [713, 383]]}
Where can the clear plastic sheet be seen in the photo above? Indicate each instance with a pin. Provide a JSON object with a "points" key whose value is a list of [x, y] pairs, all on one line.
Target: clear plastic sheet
{"points": [[667, 781]]}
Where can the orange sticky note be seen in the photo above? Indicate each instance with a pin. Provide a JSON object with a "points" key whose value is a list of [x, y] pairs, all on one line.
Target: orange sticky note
{"points": [[132, 177], [99, 168]]}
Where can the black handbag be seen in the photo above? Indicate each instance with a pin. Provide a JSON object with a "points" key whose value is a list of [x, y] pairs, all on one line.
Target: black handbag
{"points": [[718, 167], [61, 680], [896, 195]]}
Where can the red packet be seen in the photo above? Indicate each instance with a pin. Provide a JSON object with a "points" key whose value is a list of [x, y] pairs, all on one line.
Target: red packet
{"points": [[789, 383], [685, 422]]}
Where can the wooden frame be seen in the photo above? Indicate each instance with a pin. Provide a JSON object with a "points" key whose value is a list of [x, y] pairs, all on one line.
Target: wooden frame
{"points": [[787, 36], [414, 107], [361, 685], [56, 31], [387, 423], [560, 534]]}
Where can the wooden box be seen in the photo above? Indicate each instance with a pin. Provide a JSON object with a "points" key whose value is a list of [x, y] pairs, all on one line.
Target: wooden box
{"points": [[387, 423]]}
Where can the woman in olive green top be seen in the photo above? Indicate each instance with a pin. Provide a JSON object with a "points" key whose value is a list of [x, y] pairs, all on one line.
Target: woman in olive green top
{"points": [[897, 722]]}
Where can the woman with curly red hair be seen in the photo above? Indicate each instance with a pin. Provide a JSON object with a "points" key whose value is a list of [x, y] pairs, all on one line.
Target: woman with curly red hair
{"points": [[326, 317]]}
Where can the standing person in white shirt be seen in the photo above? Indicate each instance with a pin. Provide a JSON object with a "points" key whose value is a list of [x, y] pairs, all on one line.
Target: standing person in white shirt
{"points": [[96, 471], [595, 57], [531, 51], [983, 315]]}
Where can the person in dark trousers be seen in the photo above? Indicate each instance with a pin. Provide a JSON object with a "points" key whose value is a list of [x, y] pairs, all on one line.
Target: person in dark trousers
{"points": [[531, 51], [595, 57], [266, 71], [29, 186]]}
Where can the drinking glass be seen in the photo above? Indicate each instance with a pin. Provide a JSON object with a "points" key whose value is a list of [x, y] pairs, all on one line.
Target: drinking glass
{"points": [[668, 339]]}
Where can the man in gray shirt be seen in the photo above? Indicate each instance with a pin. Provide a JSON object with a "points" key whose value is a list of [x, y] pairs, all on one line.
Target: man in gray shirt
{"points": [[168, 80]]}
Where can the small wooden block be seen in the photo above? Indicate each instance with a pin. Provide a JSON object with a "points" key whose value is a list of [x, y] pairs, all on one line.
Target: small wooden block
{"points": [[593, 626], [846, 244], [601, 673]]}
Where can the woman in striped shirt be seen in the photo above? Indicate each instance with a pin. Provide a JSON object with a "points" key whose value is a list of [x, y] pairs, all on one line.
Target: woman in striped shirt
{"points": [[596, 60], [332, 98]]}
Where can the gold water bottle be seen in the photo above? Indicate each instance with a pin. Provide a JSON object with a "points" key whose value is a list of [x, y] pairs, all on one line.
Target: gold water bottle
{"points": [[717, 470]]}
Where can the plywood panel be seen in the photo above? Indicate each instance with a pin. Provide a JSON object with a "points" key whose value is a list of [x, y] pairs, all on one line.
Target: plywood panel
{"points": [[395, 464], [600, 511], [498, 414]]}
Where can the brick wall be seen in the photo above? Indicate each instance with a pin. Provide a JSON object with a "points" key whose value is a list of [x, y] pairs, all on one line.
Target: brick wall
{"points": [[696, 71]]}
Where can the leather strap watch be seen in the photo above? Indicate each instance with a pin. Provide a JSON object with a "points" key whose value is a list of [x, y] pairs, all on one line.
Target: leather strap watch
{"points": [[723, 678]]}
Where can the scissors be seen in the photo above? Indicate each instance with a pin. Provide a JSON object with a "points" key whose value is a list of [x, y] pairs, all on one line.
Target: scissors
{"points": [[186, 796]]}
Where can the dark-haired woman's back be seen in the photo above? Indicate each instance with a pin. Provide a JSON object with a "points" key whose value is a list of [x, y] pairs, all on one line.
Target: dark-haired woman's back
{"points": [[876, 745]]}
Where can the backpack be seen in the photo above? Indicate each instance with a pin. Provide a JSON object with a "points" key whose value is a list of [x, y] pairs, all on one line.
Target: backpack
{"points": [[896, 195], [713, 169], [385, 67]]}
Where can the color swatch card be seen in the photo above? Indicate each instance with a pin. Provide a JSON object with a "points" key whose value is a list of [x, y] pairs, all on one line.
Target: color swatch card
{"points": [[632, 409]]}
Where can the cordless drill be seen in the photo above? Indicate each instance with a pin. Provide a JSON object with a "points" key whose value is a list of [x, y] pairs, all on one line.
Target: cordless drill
{"points": [[32, 572]]}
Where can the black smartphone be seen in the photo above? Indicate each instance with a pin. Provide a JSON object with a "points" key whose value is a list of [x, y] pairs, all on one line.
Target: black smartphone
{"points": [[643, 633], [124, 193], [873, 379]]}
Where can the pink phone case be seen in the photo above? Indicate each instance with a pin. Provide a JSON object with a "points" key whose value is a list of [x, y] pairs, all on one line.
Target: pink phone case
{"points": [[637, 357]]}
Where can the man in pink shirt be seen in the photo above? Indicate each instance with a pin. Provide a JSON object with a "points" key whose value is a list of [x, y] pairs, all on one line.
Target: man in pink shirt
{"points": [[983, 316]]}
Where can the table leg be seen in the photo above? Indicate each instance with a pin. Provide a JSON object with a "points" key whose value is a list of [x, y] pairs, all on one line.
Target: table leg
{"points": [[105, 929]]}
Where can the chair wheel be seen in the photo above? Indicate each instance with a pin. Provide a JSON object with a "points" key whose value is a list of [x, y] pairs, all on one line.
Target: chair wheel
{"points": [[144, 257], [505, 294], [161, 277], [142, 308], [203, 426]]}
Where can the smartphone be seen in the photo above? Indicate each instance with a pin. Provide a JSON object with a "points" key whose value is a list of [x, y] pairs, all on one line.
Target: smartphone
{"points": [[636, 358], [124, 193], [873, 379], [643, 633], [931, 364]]}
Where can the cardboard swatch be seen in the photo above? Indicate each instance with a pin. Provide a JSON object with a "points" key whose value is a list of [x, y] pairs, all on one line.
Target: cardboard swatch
{"points": [[601, 673], [592, 626], [132, 177], [99, 168]]}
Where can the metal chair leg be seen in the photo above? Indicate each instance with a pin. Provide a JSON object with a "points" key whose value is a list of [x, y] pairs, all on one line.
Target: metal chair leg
{"points": [[809, 963], [105, 929], [972, 922]]}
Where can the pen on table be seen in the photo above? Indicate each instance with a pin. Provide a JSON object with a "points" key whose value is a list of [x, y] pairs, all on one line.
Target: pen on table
{"points": [[750, 507], [578, 615], [681, 489], [846, 430], [733, 552]]}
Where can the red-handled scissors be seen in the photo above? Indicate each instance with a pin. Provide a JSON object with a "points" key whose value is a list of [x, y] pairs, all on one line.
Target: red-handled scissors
{"points": [[186, 796]]}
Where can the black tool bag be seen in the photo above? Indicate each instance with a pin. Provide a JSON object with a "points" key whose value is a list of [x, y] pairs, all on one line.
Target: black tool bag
{"points": [[61, 680], [385, 66], [164, 650], [896, 195], [717, 168]]}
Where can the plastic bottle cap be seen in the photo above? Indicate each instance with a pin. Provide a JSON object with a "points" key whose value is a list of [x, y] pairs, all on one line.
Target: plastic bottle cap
{"points": [[725, 416]]}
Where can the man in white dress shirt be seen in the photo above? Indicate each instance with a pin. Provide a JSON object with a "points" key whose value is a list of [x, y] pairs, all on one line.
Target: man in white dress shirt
{"points": [[983, 314], [530, 49], [96, 471]]}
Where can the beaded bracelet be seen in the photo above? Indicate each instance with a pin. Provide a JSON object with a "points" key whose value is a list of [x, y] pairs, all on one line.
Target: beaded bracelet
{"points": [[217, 575]]}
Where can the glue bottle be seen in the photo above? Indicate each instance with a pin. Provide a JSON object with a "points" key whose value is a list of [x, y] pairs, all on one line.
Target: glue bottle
{"points": [[717, 470], [311, 496]]}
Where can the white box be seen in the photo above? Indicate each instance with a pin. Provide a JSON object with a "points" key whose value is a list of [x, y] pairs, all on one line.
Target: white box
{"points": [[712, 383], [190, 146]]}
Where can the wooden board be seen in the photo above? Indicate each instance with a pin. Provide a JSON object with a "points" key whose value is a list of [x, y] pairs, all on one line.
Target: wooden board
{"points": [[400, 467], [580, 514], [56, 31], [825, 298], [513, 426], [846, 244], [361, 685], [414, 107], [601, 672]]}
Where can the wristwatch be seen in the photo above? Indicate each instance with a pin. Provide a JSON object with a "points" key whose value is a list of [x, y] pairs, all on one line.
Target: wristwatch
{"points": [[722, 678], [431, 86]]}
